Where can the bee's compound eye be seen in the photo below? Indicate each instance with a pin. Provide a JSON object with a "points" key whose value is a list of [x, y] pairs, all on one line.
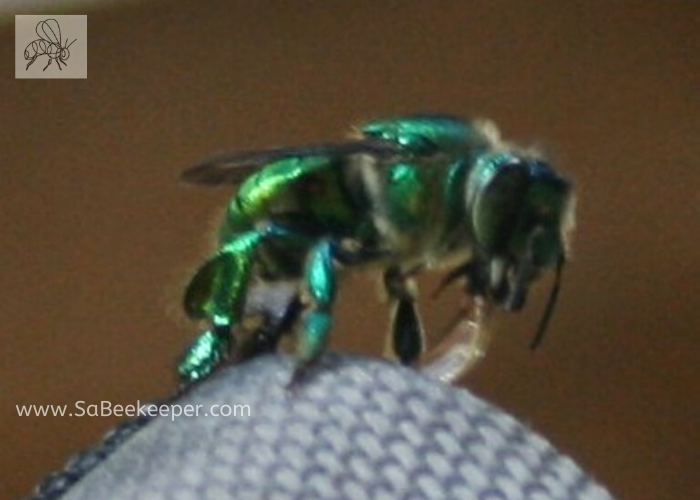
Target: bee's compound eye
{"points": [[510, 197], [498, 200]]}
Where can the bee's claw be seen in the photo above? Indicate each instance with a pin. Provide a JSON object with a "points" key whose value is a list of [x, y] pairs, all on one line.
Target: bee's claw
{"points": [[299, 377]]}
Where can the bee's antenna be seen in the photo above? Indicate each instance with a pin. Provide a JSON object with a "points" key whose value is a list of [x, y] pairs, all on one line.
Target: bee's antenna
{"points": [[551, 303]]}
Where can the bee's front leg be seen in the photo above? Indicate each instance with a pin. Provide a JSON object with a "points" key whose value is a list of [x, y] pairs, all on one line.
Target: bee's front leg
{"points": [[463, 347]]}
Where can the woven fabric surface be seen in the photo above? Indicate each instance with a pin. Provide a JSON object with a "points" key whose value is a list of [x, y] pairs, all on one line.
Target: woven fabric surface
{"points": [[355, 429]]}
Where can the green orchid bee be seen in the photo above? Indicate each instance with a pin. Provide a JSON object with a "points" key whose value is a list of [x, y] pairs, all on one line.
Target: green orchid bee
{"points": [[399, 197]]}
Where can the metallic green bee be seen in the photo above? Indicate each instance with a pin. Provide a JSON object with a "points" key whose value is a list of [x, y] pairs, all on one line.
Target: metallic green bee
{"points": [[402, 196]]}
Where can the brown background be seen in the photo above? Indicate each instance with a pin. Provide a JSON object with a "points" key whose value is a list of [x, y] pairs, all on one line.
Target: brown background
{"points": [[97, 237]]}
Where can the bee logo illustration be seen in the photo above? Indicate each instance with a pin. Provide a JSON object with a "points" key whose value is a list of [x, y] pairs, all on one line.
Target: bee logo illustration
{"points": [[49, 44]]}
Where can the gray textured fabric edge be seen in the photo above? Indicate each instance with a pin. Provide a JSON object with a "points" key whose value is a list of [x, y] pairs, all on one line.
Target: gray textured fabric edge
{"points": [[356, 429]]}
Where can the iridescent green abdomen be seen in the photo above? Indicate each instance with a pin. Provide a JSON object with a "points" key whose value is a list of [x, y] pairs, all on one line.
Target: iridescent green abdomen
{"points": [[306, 194]]}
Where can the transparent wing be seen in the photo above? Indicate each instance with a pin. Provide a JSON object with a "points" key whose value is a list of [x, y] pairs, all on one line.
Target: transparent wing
{"points": [[50, 31], [234, 168]]}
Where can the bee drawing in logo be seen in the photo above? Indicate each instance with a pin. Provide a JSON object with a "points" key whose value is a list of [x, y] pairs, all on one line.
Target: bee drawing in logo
{"points": [[49, 43]]}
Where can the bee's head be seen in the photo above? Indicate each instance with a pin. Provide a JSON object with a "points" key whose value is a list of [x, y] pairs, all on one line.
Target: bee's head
{"points": [[521, 212]]}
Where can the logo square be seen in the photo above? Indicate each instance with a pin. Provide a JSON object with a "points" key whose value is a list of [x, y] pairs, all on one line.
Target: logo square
{"points": [[50, 46]]}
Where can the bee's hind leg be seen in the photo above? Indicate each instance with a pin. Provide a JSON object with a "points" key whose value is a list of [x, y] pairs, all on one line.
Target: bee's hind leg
{"points": [[205, 353], [468, 335], [217, 294], [320, 287], [406, 338]]}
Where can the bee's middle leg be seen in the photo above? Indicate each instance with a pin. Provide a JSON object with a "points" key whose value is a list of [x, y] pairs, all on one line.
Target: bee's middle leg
{"points": [[406, 338], [320, 287]]}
